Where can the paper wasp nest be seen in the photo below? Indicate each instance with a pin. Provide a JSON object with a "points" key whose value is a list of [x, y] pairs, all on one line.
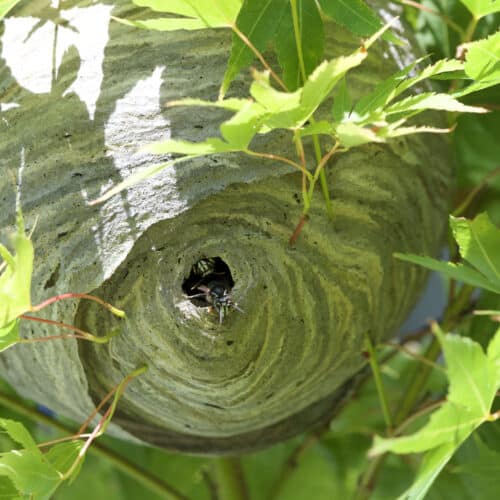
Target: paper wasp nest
{"points": [[80, 94]]}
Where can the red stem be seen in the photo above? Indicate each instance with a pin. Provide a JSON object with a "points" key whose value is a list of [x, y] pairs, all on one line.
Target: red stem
{"points": [[82, 333], [63, 296], [298, 229]]}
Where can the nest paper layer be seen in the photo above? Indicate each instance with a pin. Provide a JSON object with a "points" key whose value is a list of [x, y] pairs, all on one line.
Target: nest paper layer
{"points": [[281, 366]]}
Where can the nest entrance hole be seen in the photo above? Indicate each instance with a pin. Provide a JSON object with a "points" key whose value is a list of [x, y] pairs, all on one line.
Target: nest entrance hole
{"points": [[207, 273]]}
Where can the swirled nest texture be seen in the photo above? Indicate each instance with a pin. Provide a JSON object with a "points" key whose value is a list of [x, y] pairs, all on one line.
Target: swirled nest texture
{"points": [[94, 92]]}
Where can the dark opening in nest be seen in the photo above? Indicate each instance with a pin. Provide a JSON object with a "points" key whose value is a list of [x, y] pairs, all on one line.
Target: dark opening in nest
{"points": [[207, 273]]}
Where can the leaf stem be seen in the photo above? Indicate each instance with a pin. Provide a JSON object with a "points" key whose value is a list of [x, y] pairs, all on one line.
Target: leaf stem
{"points": [[452, 24], [315, 138], [259, 56], [80, 334], [421, 373], [418, 382], [270, 156], [366, 482], [472, 194], [379, 384], [469, 31], [230, 479], [295, 456], [422, 359], [418, 379], [298, 39], [421, 411], [62, 296]]}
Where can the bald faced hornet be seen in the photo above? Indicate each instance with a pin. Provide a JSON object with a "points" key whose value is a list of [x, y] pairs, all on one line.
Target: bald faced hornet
{"points": [[206, 267], [211, 278], [216, 295]]}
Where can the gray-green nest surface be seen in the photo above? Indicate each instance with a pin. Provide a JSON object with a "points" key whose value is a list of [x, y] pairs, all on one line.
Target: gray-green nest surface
{"points": [[78, 98]]}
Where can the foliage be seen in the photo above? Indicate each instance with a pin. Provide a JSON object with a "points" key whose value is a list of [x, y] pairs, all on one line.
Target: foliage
{"points": [[376, 117], [15, 294], [478, 243], [6, 6], [27, 470], [15, 280], [474, 381], [457, 437]]}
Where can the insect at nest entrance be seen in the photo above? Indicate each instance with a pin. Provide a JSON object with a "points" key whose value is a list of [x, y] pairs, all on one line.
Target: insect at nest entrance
{"points": [[209, 281], [209, 284]]}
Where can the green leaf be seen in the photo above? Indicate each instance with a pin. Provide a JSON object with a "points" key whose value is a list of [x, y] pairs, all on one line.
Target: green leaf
{"points": [[238, 130], [342, 103], [63, 455], [390, 88], [242, 127], [232, 103], [459, 272], [482, 64], [350, 135], [480, 8], [272, 109], [431, 100], [311, 38], [356, 16], [258, 21], [209, 146], [180, 7], [476, 148], [27, 468], [384, 91], [432, 464], [320, 127], [137, 177], [273, 101], [7, 490], [473, 383], [452, 423], [439, 67], [300, 105], [9, 335], [479, 244], [211, 14], [5, 6], [15, 280], [482, 60], [471, 372], [19, 434], [479, 465], [400, 131], [493, 354], [30, 473]]}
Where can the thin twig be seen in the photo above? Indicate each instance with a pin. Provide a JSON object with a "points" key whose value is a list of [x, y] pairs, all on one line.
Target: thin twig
{"points": [[62, 296], [379, 384], [270, 156], [229, 479], [422, 359], [80, 334], [470, 197], [293, 460], [259, 56], [426, 408], [452, 24]]}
